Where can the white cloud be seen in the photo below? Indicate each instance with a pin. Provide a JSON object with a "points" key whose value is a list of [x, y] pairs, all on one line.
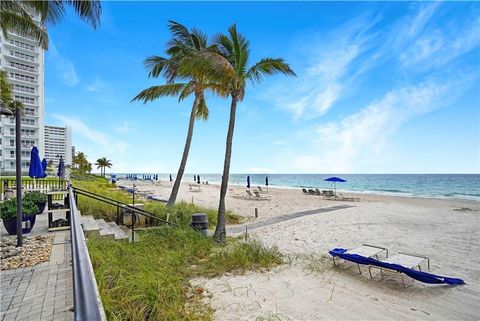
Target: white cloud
{"points": [[64, 68], [96, 85], [124, 128], [98, 138], [358, 141]]}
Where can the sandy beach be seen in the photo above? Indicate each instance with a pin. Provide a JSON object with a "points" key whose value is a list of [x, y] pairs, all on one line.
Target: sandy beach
{"points": [[309, 287]]}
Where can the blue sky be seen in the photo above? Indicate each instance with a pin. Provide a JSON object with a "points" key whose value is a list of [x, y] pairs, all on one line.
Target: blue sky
{"points": [[381, 88]]}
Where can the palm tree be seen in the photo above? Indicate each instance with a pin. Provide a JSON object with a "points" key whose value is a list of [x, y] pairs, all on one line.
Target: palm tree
{"points": [[184, 46], [235, 49], [103, 163]]}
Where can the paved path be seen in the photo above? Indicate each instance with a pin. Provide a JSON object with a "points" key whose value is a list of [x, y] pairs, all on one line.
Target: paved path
{"points": [[43, 291], [281, 218]]}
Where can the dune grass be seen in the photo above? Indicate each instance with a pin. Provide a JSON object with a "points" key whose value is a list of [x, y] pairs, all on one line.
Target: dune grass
{"points": [[149, 280], [180, 213]]}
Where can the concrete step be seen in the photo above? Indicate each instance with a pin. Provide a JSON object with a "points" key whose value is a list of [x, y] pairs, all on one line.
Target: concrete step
{"points": [[120, 235], [89, 225], [105, 230], [128, 231]]}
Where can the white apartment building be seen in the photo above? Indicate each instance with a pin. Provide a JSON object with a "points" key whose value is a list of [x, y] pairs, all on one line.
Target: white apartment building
{"points": [[23, 61], [58, 142]]}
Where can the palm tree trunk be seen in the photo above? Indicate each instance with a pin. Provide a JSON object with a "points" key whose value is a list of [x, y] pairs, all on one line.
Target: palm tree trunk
{"points": [[183, 163], [220, 232]]}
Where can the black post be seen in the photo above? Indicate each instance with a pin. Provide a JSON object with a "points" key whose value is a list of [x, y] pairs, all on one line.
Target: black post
{"points": [[18, 172]]}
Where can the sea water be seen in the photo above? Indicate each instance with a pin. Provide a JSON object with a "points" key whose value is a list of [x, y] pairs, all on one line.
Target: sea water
{"points": [[465, 186]]}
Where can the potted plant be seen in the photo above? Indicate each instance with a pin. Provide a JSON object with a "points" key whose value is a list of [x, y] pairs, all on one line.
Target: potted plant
{"points": [[38, 198], [8, 213]]}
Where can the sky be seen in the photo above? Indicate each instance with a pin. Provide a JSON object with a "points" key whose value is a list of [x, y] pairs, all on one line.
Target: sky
{"points": [[380, 88]]}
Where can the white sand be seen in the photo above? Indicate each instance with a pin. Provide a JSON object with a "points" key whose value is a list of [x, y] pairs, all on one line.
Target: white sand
{"points": [[433, 227]]}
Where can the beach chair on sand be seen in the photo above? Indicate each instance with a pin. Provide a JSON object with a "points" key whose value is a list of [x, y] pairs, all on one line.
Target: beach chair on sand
{"points": [[311, 192], [258, 196], [317, 192], [304, 191], [261, 190], [340, 197], [410, 261], [399, 263], [366, 250]]}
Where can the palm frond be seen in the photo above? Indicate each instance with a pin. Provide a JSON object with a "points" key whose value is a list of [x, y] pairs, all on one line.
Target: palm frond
{"points": [[202, 110], [187, 90], [155, 92], [49, 11], [179, 31], [88, 11], [23, 25], [268, 66]]}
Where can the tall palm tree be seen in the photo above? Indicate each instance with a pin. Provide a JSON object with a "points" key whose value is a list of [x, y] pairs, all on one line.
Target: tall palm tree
{"points": [[235, 49], [184, 46], [103, 163]]}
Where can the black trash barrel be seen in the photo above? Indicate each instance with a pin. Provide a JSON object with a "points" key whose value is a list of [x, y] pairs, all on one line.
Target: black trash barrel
{"points": [[200, 222]]}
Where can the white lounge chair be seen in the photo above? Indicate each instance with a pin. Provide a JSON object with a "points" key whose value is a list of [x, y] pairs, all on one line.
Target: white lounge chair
{"points": [[411, 261]]}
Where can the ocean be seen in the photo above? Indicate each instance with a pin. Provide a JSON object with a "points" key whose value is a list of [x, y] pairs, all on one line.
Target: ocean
{"points": [[464, 186]]}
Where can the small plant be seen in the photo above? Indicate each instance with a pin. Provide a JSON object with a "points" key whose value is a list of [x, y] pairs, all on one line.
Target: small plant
{"points": [[9, 208], [36, 197]]}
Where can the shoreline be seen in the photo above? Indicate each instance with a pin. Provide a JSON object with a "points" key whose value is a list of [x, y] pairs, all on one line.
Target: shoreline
{"points": [[407, 195]]}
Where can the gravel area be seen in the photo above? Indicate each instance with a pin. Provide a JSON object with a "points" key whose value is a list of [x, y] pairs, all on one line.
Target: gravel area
{"points": [[36, 249]]}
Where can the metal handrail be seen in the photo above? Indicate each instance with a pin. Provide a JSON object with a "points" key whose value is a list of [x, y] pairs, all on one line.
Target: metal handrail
{"points": [[86, 306], [119, 204]]}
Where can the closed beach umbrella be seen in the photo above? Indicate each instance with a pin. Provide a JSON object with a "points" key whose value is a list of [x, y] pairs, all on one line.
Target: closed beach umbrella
{"points": [[248, 181], [198, 179], [44, 164], [266, 182], [61, 169], [194, 178], [335, 180], [35, 169], [171, 178]]}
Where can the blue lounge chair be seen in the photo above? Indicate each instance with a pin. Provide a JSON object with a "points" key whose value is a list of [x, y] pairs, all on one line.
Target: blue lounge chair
{"points": [[394, 263]]}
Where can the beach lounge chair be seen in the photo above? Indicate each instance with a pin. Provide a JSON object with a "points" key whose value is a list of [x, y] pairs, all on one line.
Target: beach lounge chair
{"points": [[364, 250], [261, 190], [304, 191], [258, 196], [340, 197], [402, 263], [311, 192], [318, 192], [410, 261], [328, 193]]}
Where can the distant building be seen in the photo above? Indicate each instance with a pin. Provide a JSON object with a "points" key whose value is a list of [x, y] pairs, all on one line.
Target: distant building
{"points": [[23, 60], [73, 152], [58, 142]]}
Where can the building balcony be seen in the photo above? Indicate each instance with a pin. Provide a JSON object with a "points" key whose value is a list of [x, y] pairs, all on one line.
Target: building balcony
{"points": [[18, 59], [25, 50], [31, 73]]}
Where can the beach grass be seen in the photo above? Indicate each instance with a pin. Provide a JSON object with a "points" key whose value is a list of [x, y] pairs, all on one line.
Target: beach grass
{"points": [[150, 279], [180, 213]]}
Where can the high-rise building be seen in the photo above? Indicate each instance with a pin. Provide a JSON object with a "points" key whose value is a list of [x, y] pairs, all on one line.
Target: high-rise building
{"points": [[23, 60], [58, 142]]}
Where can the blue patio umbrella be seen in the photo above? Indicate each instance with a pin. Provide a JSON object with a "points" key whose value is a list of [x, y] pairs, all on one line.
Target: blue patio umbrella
{"points": [[248, 181], [61, 169], [35, 169], [198, 179], [335, 180], [44, 164]]}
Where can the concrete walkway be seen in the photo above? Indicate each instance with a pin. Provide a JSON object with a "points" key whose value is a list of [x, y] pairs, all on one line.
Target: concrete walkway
{"points": [[43, 291], [281, 218]]}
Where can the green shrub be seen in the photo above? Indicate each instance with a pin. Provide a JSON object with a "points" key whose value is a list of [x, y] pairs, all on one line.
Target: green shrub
{"points": [[36, 197], [9, 208]]}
